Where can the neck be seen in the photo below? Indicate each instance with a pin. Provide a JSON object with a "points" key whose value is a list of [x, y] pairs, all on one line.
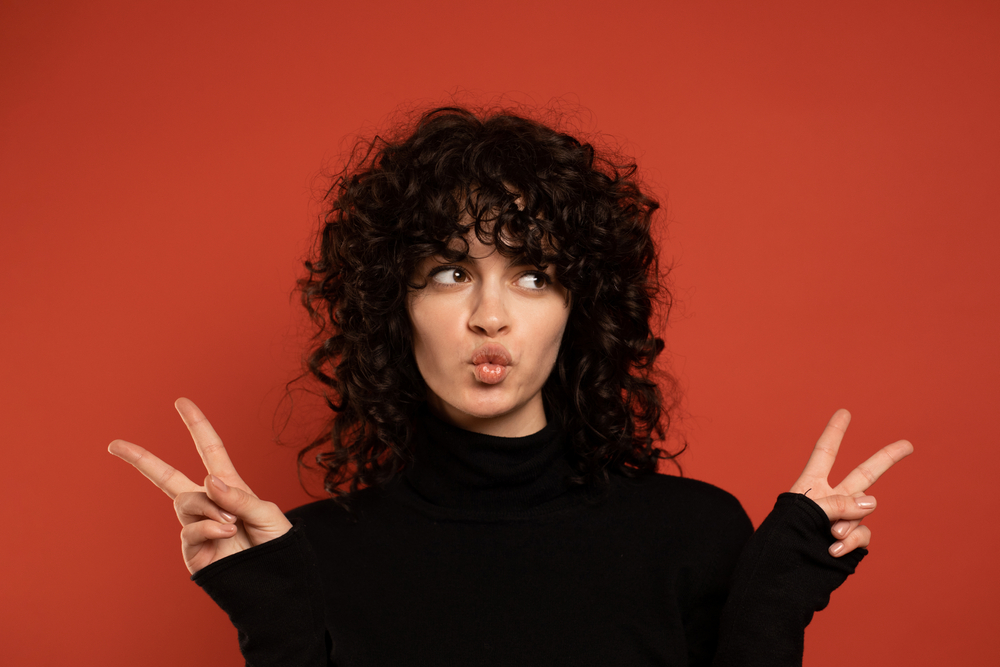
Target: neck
{"points": [[522, 421], [485, 474]]}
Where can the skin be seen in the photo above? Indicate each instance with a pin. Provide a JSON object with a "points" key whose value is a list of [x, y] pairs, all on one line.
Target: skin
{"points": [[219, 518], [487, 299], [484, 299], [846, 504]]}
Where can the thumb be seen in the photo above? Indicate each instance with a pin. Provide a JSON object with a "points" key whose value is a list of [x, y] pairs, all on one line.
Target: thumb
{"points": [[846, 507], [253, 511]]}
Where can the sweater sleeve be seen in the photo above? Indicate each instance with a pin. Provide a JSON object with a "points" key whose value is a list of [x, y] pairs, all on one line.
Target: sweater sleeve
{"points": [[784, 575], [271, 593]]}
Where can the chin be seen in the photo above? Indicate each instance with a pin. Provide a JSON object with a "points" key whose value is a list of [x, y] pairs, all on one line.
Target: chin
{"points": [[481, 407], [486, 409]]}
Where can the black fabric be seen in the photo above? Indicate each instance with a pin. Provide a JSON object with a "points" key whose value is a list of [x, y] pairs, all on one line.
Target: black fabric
{"points": [[787, 573], [483, 554]]}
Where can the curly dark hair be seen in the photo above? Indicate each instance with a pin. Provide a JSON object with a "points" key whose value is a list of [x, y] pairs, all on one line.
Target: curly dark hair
{"points": [[528, 190]]}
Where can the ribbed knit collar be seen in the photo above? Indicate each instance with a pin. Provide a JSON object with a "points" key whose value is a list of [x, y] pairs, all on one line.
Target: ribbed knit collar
{"points": [[487, 474]]}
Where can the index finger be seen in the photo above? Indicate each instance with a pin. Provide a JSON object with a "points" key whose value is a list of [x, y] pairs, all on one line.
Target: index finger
{"points": [[167, 478], [825, 453], [859, 479], [210, 448]]}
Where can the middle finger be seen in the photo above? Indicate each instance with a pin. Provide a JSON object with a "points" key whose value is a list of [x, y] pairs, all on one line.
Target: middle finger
{"points": [[862, 477], [210, 448]]}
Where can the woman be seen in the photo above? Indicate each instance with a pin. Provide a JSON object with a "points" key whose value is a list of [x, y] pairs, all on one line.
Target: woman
{"points": [[484, 286]]}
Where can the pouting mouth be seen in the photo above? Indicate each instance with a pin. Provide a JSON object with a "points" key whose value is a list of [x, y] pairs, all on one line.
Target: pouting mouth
{"points": [[491, 353]]}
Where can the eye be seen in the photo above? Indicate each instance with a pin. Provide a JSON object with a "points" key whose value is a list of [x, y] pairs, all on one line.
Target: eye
{"points": [[534, 280], [449, 275]]}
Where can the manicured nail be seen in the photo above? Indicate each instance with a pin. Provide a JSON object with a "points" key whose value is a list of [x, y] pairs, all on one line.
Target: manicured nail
{"points": [[836, 548], [865, 502], [218, 483], [840, 528], [228, 517]]}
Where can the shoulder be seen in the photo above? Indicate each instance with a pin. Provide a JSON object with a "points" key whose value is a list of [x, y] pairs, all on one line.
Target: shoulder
{"points": [[328, 513], [684, 492], [325, 508], [689, 504]]}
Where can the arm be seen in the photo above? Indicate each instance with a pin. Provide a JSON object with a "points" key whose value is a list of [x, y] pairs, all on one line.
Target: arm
{"points": [[273, 597], [803, 550]]}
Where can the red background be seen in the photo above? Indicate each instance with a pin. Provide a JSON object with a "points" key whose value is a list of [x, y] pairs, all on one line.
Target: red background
{"points": [[830, 176]]}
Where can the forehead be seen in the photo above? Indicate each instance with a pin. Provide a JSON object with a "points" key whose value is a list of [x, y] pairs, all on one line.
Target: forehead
{"points": [[476, 248]]}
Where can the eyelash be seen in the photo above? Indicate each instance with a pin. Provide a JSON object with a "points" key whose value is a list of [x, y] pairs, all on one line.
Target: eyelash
{"points": [[442, 269], [546, 279]]}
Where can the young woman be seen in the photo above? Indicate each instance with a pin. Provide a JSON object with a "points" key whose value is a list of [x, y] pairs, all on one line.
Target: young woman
{"points": [[484, 287]]}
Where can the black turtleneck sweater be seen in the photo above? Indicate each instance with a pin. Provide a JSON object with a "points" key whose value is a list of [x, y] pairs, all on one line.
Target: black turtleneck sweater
{"points": [[483, 554]]}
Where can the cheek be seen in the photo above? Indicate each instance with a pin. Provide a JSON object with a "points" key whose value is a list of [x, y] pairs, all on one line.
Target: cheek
{"points": [[429, 335], [551, 325]]}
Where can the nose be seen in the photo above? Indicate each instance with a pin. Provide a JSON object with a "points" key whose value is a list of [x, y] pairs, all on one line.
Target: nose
{"points": [[489, 312]]}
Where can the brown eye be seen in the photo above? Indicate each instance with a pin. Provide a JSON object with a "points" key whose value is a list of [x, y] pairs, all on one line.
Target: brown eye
{"points": [[533, 280], [449, 275]]}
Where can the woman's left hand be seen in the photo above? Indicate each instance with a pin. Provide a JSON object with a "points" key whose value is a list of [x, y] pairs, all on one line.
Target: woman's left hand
{"points": [[846, 504]]}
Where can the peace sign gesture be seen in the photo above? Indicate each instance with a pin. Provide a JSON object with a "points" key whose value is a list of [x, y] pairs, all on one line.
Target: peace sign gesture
{"points": [[846, 504], [223, 516]]}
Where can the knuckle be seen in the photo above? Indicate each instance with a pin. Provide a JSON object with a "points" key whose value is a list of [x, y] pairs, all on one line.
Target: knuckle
{"points": [[841, 529], [868, 474], [183, 503], [825, 448], [199, 531], [164, 477], [240, 499], [191, 503], [213, 447]]}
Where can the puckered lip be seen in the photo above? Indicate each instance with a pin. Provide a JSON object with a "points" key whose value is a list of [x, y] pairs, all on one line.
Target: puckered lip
{"points": [[491, 353]]}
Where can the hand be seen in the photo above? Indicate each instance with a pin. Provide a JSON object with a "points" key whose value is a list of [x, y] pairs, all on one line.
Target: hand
{"points": [[846, 504], [220, 518]]}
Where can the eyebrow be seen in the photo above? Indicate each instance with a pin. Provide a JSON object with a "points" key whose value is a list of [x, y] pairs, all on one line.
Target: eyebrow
{"points": [[519, 259], [516, 260]]}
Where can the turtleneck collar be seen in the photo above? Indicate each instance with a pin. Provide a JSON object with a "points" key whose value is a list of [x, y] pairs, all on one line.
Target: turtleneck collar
{"points": [[486, 474]]}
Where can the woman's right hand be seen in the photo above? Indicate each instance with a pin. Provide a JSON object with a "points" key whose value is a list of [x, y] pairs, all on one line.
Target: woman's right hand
{"points": [[220, 518]]}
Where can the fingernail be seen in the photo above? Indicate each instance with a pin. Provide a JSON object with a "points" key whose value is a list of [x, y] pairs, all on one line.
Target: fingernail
{"points": [[840, 528], [228, 517], [865, 502], [836, 548], [218, 483]]}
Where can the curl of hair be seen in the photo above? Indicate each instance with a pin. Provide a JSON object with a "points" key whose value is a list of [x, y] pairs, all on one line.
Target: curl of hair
{"points": [[528, 190]]}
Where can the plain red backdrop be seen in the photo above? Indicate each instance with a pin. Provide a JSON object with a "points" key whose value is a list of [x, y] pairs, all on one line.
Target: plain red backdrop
{"points": [[830, 174]]}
